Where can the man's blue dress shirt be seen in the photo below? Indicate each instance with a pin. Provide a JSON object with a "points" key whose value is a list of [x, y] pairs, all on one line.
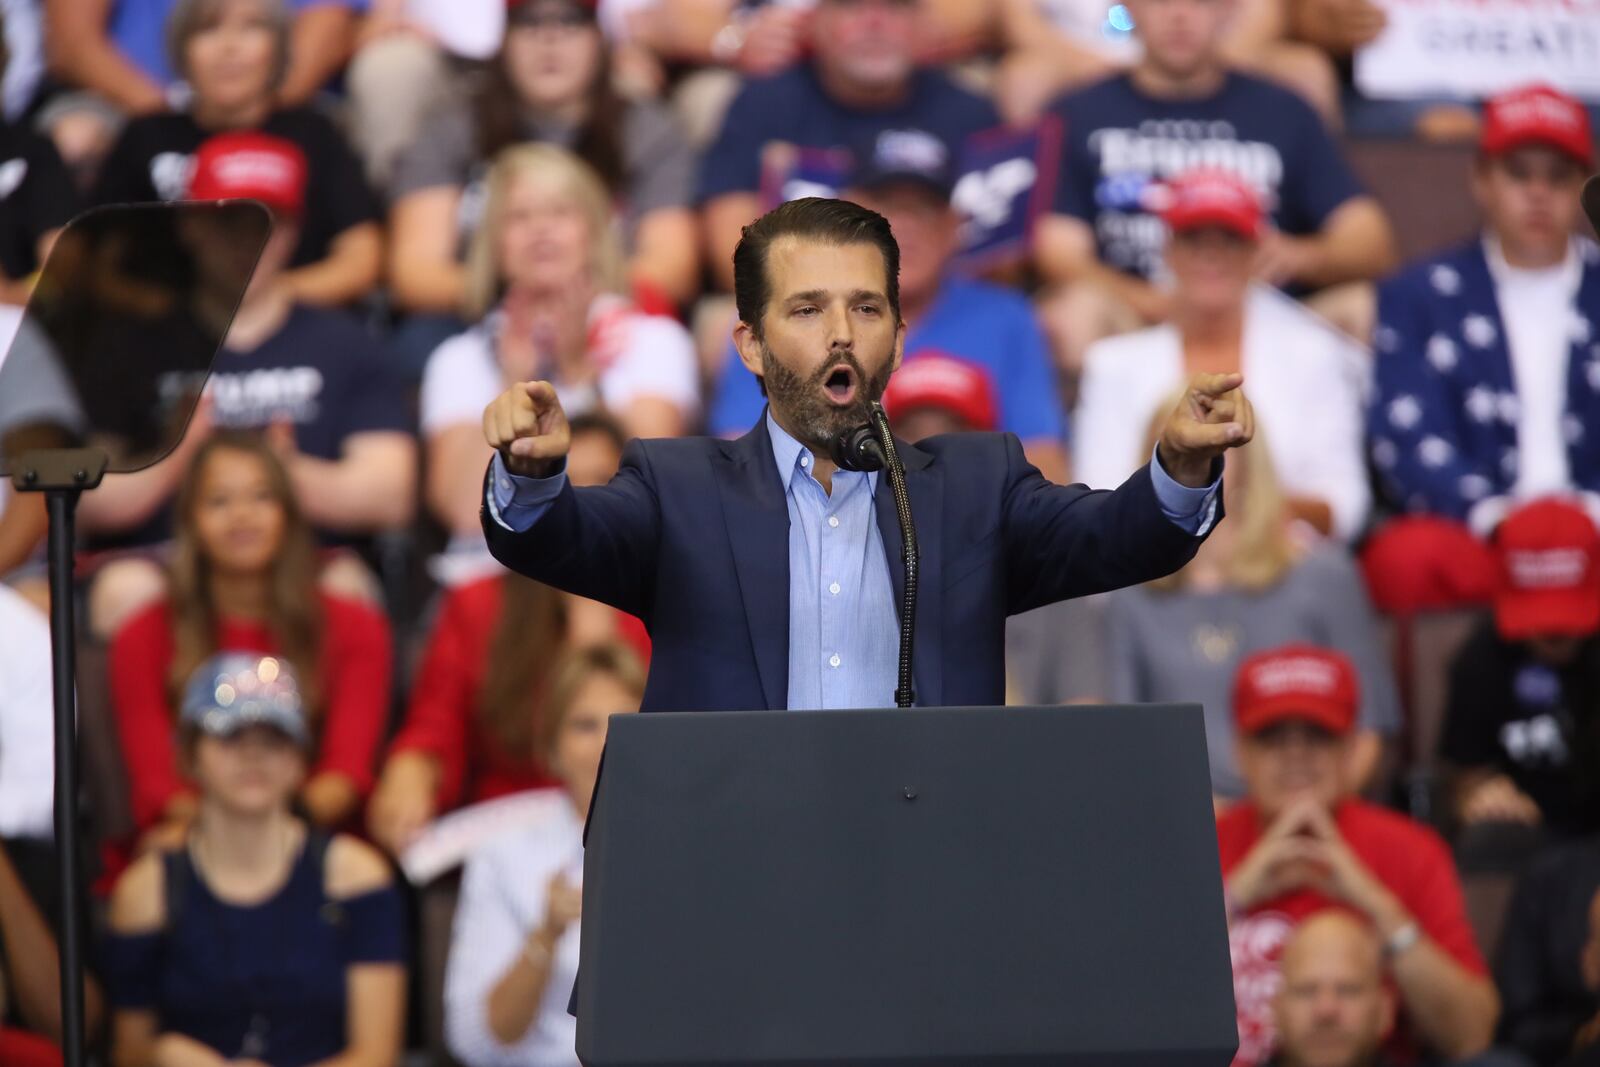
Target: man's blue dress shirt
{"points": [[844, 630]]}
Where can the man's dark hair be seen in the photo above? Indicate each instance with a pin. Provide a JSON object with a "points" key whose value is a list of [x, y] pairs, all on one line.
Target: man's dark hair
{"points": [[834, 221]]}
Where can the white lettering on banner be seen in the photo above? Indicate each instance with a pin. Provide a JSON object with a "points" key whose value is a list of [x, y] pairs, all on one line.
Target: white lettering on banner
{"points": [[258, 397], [986, 196], [1134, 164], [1165, 149], [1474, 48]]}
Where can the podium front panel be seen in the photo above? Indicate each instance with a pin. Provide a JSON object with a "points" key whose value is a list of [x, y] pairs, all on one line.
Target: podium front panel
{"points": [[931, 886]]}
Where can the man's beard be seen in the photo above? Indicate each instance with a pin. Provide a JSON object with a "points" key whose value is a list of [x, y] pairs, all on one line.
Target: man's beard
{"points": [[800, 402]]}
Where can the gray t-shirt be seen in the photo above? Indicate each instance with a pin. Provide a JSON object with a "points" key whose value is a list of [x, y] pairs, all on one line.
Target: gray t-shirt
{"points": [[658, 162], [1184, 646], [1057, 654]]}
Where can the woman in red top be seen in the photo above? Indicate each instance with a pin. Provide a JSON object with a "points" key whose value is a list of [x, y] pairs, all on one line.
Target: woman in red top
{"points": [[476, 700], [244, 576], [468, 734]]}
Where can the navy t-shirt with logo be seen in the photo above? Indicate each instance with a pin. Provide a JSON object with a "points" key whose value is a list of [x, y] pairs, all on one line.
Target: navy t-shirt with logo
{"points": [[36, 196], [1121, 143], [792, 108], [154, 159], [1536, 723], [322, 373]]}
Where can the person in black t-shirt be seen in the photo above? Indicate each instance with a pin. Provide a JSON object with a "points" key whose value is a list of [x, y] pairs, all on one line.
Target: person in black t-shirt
{"points": [[1522, 728], [232, 55], [861, 90], [1178, 108], [311, 379], [37, 198], [1548, 979]]}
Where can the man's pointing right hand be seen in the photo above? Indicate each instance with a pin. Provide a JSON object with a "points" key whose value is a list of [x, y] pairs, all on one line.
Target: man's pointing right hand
{"points": [[526, 425]]}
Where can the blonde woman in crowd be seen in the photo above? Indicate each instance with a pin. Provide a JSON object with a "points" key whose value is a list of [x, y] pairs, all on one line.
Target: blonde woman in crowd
{"points": [[1250, 587], [544, 283]]}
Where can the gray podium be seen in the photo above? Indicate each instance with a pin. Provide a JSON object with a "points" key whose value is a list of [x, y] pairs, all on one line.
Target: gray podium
{"points": [[945, 886]]}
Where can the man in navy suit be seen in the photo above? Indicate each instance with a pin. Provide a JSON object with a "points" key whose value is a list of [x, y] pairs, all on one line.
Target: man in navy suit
{"points": [[764, 573]]}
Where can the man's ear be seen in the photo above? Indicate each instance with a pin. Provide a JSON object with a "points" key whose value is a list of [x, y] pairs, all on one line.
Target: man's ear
{"points": [[899, 346], [749, 347]]}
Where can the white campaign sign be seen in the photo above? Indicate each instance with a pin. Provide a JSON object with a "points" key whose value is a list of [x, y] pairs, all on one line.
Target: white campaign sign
{"points": [[1475, 48]]}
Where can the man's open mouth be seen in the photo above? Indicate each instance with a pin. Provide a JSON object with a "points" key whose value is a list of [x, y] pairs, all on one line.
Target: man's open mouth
{"points": [[840, 385]]}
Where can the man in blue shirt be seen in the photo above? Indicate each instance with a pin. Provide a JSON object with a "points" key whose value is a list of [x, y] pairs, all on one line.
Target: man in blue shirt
{"points": [[862, 85], [986, 325], [763, 570]]}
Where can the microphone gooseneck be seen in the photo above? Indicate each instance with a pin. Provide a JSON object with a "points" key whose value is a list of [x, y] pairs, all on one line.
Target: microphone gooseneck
{"points": [[910, 554]]}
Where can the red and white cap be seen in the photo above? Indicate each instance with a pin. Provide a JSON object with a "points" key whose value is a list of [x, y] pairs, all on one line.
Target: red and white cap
{"points": [[1296, 682], [251, 165], [1537, 114], [1549, 554], [1208, 196], [935, 379]]}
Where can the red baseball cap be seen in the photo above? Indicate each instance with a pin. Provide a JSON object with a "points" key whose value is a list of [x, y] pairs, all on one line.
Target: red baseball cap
{"points": [[1296, 682], [1207, 196], [934, 379], [1549, 554], [254, 165], [1537, 114]]}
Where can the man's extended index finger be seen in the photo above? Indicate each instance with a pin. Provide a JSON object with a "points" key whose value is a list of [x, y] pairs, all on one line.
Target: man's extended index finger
{"points": [[543, 394]]}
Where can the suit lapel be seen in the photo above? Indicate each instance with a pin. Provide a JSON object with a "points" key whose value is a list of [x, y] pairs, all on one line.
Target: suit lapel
{"points": [[925, 486], [757, 517]]}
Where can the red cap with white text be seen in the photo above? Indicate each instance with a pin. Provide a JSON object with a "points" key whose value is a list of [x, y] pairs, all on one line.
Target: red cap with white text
{"points": [[1537, 114], [1207, 196], [1296, 682], [251, 165], [1549, 578]]}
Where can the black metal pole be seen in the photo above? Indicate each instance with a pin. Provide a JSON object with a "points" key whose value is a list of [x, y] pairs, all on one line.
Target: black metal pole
{"points": [[61, 505], [910, 554]]}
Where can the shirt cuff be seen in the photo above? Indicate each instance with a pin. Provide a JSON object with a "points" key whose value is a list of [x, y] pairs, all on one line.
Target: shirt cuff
{"points": [[515, 501], [1191, 510]]}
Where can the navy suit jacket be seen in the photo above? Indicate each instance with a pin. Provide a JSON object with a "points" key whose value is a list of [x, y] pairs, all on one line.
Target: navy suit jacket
{"points": [[692, 536]]}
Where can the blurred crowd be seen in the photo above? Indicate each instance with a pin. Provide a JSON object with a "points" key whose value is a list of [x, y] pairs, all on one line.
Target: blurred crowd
{"points": [[339, 760]]}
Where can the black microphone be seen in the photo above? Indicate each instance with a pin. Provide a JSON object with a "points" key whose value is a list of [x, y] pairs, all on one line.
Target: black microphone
{"points": [[858, 449]]}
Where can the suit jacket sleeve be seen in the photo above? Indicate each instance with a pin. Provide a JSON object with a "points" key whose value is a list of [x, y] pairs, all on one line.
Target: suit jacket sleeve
{"points": [[1066, 540], [598, 542]]}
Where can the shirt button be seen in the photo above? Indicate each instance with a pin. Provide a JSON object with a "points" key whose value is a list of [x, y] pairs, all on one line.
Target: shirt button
{"points": [[833, 660], [805, 461], [833, 520], [834, 588]]}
